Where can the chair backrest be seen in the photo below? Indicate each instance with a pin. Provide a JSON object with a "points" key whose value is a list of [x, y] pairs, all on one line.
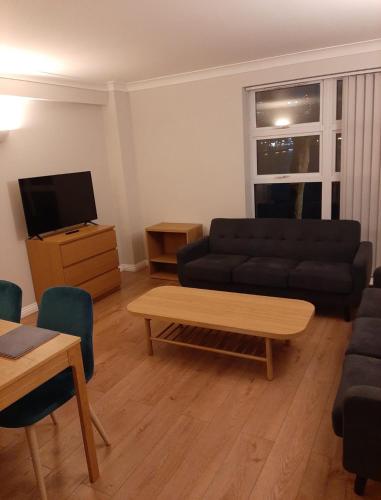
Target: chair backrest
{"points": [[10, 301], [66, 309]]}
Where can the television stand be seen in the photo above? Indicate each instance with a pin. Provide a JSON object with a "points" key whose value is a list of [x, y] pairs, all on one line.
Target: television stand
{"points": [[86, 257], [90, 222]]}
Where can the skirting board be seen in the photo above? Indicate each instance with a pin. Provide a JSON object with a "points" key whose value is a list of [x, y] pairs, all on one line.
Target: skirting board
{"points": [[32, 308], [133, 267], [29, 309]]}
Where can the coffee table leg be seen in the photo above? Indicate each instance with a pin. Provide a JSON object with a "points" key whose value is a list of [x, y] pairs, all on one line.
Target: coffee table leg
{"points": [[148, 334], [269, 359]]}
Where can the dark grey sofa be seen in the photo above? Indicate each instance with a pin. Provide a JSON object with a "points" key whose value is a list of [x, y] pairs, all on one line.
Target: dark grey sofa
{"points": [[322, 261], [356, 414]]}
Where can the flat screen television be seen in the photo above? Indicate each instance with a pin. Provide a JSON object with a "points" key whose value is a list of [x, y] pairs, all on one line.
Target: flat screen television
{"points": [[55, 202]]}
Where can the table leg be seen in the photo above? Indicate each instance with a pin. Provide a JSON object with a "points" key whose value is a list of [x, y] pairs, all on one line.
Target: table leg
{"points": [[147, 322], [269, 359], [75, 360]]}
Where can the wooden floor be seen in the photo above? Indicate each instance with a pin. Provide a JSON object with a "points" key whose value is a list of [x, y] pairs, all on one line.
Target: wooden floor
{"points": [[194, 425]]}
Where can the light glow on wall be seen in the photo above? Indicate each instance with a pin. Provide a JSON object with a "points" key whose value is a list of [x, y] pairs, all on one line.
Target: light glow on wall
{"points": [[22, 62], [12, 112]]}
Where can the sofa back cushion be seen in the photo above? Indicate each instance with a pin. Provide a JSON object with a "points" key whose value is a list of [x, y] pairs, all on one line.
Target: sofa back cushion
{"points": [[308, 239]]}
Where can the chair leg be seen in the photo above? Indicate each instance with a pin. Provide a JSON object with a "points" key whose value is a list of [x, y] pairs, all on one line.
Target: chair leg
{"points": [[35, 453], [54, 419], [99, 427], [360, 483]]}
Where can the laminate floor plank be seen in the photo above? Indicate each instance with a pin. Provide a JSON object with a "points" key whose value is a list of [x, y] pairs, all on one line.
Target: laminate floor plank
{"points": [[161, 463], [291, 364], [240, 470], [283, 472], [84, 492], [212, 446], [190, 425]]}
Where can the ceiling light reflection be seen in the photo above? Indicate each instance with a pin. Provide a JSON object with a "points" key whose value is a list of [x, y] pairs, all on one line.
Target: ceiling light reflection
{"points": [[22, 62], [282, 122]]}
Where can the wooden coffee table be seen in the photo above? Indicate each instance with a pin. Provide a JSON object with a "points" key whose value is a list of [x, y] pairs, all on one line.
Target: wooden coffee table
{"points": [[215, 312]]}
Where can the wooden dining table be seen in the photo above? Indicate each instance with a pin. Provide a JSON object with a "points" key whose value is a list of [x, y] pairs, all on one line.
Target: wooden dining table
{"points": [[20, 376]]}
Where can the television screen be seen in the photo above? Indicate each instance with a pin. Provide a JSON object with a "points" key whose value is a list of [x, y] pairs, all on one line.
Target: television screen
{"points": [[54, 202]]}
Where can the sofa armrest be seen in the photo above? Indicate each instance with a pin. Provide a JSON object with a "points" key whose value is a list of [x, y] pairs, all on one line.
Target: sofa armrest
{"points": [[377, 277], [362, 266], [362, 431], [193, 251]]}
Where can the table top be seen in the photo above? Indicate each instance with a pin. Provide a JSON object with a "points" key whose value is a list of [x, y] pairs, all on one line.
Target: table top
{"points": [[14, 369], [257, 315]]}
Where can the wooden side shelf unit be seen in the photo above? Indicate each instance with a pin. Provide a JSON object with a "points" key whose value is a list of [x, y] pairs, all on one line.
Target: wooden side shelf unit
{"points": [[87, 259], [163, 241]]}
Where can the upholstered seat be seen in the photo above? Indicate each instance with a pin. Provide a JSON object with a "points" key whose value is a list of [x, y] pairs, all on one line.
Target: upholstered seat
{"points": [[322, 276], [356, 413], [68, 310], [321, 261], [357, 371], [370, 305], [216, 268], [366, 337], [264, 271], [39, 403]]}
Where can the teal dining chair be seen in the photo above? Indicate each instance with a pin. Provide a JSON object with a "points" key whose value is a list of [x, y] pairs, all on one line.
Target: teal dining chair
{"points": [[10, 301], [67, 310]]}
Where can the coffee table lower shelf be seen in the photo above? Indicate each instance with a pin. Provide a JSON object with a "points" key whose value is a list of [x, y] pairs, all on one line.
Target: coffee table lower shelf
{"points": [[216, 341]]}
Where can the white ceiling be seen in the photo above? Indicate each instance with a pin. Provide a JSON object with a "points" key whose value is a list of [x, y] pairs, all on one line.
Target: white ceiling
{"points": [[128, 40]]}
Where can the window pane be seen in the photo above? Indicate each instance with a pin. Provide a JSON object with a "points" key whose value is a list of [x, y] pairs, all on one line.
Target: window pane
{"points": [[290, 201], [335, 200], [339, 99], [288, 106], [338, 153], [288, 155]]}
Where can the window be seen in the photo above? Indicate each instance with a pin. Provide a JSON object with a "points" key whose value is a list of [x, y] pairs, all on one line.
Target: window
{"points": [[288, 155], [287, 105], [291, 200], [339, 99], [338, 153], [295, 144]]}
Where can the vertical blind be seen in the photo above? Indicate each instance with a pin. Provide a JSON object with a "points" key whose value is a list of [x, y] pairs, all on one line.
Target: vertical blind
{"points": [[361, 156]]}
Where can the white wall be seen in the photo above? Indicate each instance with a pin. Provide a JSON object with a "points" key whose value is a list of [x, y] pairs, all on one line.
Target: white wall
{"points": [[189, 152], [122, 167], [189, 139], [56, 137], [171, 153]]}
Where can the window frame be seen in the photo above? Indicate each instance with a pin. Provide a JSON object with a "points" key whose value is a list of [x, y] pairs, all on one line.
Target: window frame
{"points": [[326, 129]]}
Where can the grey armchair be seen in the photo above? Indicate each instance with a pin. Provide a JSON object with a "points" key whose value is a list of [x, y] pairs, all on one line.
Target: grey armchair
{"points": [[356, 414]]}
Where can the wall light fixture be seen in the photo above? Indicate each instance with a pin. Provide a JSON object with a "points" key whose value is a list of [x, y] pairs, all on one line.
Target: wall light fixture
{"points": [[12, 112]]}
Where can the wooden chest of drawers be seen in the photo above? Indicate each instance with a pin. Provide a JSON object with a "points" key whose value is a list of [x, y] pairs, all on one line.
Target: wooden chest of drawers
{"points": [[87, 259]]}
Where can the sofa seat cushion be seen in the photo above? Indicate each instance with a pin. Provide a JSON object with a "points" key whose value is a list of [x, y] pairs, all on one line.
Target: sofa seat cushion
{"points": [[331, 277], [366, 338], [357, 370], [271, 271], [370, 303], [213, 267]]}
